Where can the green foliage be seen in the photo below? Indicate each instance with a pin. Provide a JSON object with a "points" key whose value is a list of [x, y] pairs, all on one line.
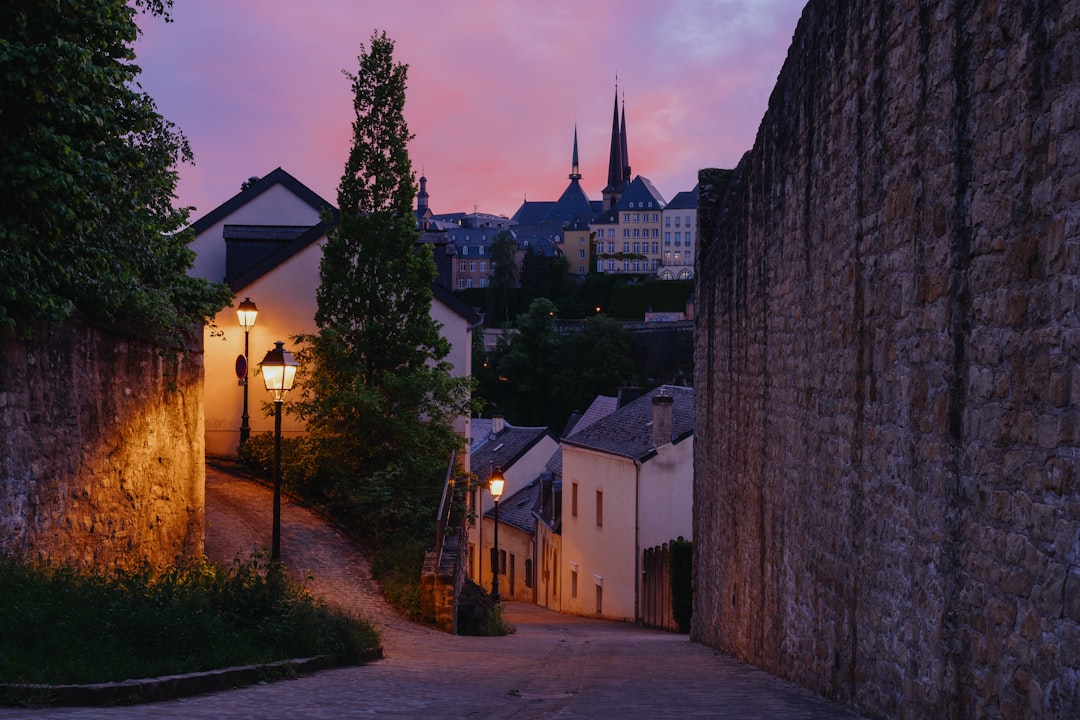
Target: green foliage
{"points": [[681, 552], [503, 277], [397, 566], [376, 391], [632, 301], [79, 626], [543, 276], [538, 376], [87, 178]]}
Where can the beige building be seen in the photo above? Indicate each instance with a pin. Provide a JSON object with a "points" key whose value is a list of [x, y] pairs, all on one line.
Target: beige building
{"points": [[626, 487], [679, 237], [266, 243]]}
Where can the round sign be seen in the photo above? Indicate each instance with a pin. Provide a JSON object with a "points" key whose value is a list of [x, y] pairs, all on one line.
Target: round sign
{"points": [[241, 367]]}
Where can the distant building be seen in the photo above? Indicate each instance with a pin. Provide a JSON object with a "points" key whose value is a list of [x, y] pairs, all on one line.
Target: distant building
{"points": [[680, 236]]}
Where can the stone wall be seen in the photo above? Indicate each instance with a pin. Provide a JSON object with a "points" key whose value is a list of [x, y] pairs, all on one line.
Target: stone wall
{"points": [[887, 365], [101, 449]]}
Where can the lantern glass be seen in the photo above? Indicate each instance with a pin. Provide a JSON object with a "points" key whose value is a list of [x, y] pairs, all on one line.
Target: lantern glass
{"points": [[496, 483], [279, 371], [246, 313]]}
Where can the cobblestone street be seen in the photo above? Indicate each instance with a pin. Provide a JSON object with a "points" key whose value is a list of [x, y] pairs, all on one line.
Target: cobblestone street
{"points": [[553, 666]]}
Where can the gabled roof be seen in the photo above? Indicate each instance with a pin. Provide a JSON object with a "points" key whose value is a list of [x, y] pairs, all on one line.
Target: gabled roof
{"points": [[532, 212], [517, 510], [277, 177], [450, 300], [503, 449], [686, 200], [641, 194], [628, 431], [248, 275]]}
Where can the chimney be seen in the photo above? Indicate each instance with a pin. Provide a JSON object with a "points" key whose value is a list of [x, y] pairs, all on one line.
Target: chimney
{"points": [[662, 406], [498, 422], [627, 395]]}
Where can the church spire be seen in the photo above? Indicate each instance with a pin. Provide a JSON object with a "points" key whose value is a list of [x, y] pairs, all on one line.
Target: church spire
{"points": [[625, 155], [575, 171]]}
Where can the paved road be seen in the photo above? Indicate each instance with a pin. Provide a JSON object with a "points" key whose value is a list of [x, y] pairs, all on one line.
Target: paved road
{"points": [[554, 666]]}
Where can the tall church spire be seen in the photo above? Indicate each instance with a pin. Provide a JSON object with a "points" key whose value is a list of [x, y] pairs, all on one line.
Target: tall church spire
{"points": [[575, 171], [625, 155]]}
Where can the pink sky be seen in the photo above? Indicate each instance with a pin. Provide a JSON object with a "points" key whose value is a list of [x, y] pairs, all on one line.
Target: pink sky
{"points": [[495, 88]]}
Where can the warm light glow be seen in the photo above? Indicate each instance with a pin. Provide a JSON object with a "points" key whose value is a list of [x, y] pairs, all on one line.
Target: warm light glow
{"points": [[246, 313], [279, 371], [496, 483]]}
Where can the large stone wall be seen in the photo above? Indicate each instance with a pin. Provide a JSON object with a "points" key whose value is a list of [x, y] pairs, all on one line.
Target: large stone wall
{"points": [[101, 449], [887, 365]]}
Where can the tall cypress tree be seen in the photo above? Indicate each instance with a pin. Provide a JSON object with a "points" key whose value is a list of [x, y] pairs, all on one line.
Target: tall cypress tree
{"points": [[379, 398]]}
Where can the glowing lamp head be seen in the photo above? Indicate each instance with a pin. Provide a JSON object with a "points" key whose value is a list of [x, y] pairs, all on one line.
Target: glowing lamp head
{"points": [[246, 313], [279, 371], [496, 483]]}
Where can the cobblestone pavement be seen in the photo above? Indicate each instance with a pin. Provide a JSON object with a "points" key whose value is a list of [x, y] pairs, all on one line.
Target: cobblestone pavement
{"points": [[554, 666]]}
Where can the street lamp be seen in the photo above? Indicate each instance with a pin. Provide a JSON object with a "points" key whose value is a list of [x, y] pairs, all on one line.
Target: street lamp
{"points": [[496, 483], [245, 313], [279, 372]]}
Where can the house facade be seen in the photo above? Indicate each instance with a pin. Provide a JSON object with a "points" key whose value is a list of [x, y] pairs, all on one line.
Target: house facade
{"points": [[626, 487], [266, 243], [680, 236]]}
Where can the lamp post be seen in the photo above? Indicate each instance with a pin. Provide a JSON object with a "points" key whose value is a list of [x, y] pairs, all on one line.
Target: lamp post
{"points": [[496, 482], [245, 313], [279, 372]]}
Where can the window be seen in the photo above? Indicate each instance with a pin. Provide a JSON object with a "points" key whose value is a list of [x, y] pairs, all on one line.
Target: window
{"points": [[610, 264], [581, 270], [637, 232], [637, 218], [461, 266], [667, 221], [481, 249], [573, 500], [573, 584], [599, 266], [687, 221], [468, 282], [465, 251], [528, 572], [667, 237], [599, 599], [678, 239], [637, 247], [512, 573], [581, 240], [581, 254], [461, 283], [667, 257], [599, 508], [678, 221], [472, 266], [626, 265], [611, 232], [656, 232], [626, 217], [656, 217], [653, 265], [626, 247], [483, 266], [637, 266], [483, 282], [502, 562], [626, 232], [611, 247], [687, 239], [656, 247]]}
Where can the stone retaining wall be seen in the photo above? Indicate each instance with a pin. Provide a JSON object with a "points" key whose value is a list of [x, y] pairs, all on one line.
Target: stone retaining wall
{"points": [[101, 449], [887, 365]]}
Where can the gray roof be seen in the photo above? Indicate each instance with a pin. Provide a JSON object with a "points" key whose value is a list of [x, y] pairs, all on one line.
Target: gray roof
{"points": [[686, 200], [641, 195], [505, 448], [517, 510], [628, 430]]}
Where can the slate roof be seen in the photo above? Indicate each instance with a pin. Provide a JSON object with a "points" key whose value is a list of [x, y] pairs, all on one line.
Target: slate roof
{"points": [[517, 510], [277, 177], [686, 200], [503, 449], [628, 431], [639, 194]]}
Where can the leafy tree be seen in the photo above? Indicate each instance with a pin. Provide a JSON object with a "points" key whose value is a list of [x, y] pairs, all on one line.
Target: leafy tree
{"points": [[596, 361], [87, 177], [379, 398], [530, 365], [542, 276], [504, 276]]}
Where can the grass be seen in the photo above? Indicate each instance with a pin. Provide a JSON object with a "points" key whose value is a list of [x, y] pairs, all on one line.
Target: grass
{"points": [[64, 625]]}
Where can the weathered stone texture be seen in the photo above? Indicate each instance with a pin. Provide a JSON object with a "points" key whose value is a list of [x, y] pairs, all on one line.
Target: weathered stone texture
{"points": [[101, 450], [887, 364]]}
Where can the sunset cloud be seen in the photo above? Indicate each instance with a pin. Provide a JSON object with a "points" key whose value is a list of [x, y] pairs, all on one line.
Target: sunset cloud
{"points": [[494, 92]]}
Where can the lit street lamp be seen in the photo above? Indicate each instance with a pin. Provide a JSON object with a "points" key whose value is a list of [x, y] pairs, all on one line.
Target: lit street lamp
{"points": [[495, 486], [279, 372], [246, 313]]}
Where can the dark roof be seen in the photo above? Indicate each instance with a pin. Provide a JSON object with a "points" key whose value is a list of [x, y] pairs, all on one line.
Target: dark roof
{"points": [[447, 298], [505, 448], [628, 430], [531, 213], [686, 200], [517, 510], [641, 195], [245, 276], [277, 177]]}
